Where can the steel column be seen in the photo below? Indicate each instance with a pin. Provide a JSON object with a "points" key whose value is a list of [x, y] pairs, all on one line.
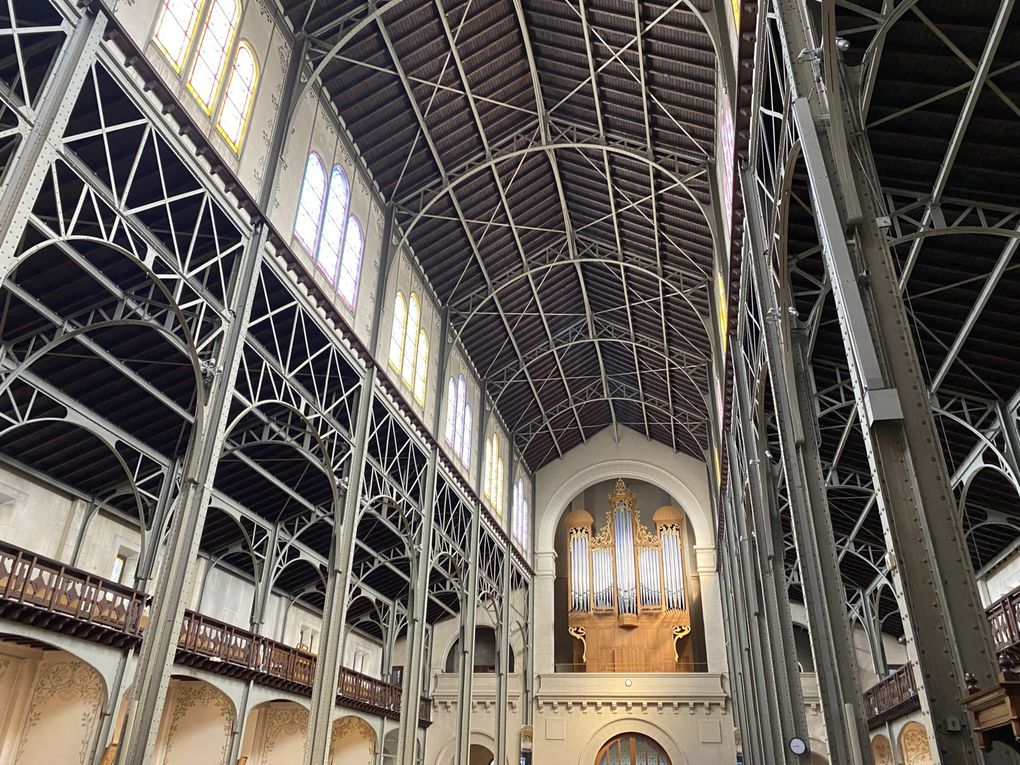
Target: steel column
{"points": [[768, 545], [414, 662], [761, 666], [334, 612], [42, 143], [503, 628], [160, 642], [734, 648], [825, 601], [756, 740], [942, 615], [468, 615]]}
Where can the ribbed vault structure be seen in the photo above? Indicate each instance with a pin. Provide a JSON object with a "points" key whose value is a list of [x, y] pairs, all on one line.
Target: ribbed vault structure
{"points": [[549, 164]]}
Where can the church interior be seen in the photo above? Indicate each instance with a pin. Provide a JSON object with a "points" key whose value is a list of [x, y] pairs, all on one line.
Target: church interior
{"points": [[509, 382]]}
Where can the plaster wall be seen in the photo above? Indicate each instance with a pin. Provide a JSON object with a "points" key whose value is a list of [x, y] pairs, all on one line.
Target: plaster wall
{"points": [[36, 517], [196, 725], [353, 742], [577, 713], [1001, 580], [52, 705], [275, 734]]}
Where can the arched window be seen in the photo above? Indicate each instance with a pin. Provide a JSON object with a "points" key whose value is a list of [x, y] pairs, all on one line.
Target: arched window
{"points": [[520, 520], [465, 456], [421, 367], [176, 28], [238, 97], [211, 55], [458, 445], [632, 749], [397, 333], [451, 413], [500, 503], [313, 192], [494, 488], [458, 420], [491, 451], [410, 338], [331, 236], [409, 347], [350, 263]]}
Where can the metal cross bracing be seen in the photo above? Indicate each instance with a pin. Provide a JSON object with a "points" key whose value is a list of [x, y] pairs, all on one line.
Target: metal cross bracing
{"points": [[111, 330], [934, 128], [515, 139], [953, 216]]}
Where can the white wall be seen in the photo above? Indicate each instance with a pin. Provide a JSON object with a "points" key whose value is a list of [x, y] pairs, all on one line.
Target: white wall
{"points": [[688, 714], [51, 707]]}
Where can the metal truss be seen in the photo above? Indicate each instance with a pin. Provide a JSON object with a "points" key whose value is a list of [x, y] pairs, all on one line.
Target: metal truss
{"points": [[126, 212], [548, 131]]}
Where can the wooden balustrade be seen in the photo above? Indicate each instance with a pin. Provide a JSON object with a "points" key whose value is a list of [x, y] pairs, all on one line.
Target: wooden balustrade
{"points": [[892, 697], [46, 592], [41, 591], [1004, 618]]}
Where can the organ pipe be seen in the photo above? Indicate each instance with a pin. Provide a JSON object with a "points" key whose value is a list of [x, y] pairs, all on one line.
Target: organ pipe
{"points": [[624, 567]]}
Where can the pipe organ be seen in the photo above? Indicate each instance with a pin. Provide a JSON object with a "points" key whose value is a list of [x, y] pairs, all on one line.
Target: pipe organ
{"points": [[627, 603]]}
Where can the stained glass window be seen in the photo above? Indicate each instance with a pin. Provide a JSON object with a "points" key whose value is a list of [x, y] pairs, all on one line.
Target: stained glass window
{"points": [[176, 28], [238, 96], [213, 47], [397, 333], [350, 263], [309, 213], [327, 255]]}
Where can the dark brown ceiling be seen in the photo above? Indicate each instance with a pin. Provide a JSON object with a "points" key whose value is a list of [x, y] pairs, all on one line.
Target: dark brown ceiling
{"points": [[576, 275]]}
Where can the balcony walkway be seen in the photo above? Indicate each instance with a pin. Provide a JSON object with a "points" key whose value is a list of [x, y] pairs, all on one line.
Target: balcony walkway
{"points": [[44, 592]]}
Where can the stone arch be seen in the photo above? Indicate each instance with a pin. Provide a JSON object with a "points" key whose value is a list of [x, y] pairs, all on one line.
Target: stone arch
{"points": [[611, 730], [698, 515], [881, 750], [484, 636], [352, 741], [915, 748], [56, 701]]}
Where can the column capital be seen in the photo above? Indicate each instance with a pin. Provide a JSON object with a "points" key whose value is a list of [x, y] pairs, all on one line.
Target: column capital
{"points": [[705, 559], [545, 563]]}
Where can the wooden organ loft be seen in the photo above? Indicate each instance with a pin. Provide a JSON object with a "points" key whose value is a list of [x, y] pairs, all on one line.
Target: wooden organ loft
{"points": [[628, 607]]}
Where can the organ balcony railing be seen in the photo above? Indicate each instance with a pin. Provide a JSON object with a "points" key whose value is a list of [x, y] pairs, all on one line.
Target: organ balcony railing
{"points": [[37, 590]]}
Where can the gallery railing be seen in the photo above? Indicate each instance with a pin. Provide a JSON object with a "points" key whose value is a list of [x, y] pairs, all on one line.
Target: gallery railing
{"points": [[892, 697], [38, 590]]}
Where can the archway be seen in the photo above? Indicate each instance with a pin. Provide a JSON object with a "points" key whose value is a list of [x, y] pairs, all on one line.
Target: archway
{"points": [[196, 723], [914, 746], [480, 755], [881, 750], [486, 653], [632, 749], [274, 733], [55, 701], [601, 623], [352, 742]]}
